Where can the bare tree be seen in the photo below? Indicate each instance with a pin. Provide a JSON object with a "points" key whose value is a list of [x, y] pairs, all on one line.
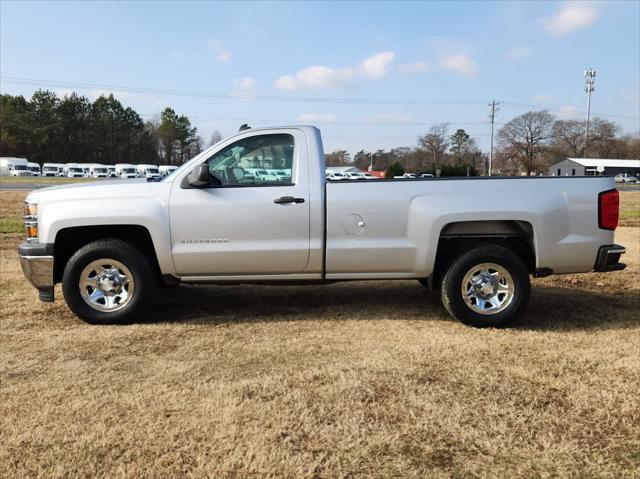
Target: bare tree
{"points": [[527, 137], [603, 141], [436, 143], [568, 137], [216, 136]]}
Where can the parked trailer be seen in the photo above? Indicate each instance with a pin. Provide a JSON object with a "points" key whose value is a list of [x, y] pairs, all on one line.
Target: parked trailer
{"points": [[126, 171], [10, 166], [34, 168]]}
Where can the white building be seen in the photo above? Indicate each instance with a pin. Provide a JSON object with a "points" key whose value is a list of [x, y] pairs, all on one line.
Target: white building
{"points": [[595, 167]]}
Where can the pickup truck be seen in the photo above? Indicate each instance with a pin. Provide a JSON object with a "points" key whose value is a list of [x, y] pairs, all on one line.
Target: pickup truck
{"points": [[475, 240]]}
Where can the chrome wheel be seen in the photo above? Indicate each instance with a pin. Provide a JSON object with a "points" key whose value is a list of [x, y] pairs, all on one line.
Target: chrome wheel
{"points": [[487, 288], [106, 285]]}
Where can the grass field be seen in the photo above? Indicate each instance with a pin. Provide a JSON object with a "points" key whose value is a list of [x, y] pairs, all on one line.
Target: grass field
{"points": [[369, 379]]}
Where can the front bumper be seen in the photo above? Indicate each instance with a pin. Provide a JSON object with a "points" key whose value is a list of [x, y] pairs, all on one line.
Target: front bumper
{"points": [[609, 258], [36, 261]]}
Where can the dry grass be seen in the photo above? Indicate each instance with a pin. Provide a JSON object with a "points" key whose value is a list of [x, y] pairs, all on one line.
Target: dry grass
{"points": [[348, 380]]}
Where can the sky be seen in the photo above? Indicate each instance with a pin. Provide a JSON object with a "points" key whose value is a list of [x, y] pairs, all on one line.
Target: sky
{"points": [[370, 75]]}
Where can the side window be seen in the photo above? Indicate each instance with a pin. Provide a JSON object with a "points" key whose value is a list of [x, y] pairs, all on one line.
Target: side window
{"points": [[262, 160]]}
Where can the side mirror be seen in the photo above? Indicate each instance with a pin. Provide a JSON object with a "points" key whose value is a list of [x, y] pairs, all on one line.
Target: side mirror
{"points": [[199, 176]]}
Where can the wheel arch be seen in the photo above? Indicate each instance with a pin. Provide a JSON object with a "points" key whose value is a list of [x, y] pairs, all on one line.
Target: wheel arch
{"points": [[459, 236], [69, 240]]}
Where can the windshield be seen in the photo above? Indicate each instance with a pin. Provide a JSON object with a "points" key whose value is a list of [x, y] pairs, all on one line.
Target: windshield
{"points": [[336, 173], [75, 170], [100, 170], [34, 168], [50, 168], [128, 170], [153, 171], [19, 167]]}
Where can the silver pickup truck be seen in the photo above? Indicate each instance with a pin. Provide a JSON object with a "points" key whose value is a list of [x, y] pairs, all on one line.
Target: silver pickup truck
{"points": [[257, 208]]}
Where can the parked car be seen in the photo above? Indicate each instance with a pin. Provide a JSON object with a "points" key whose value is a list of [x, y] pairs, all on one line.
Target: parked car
{"points": [[53, 169], [411, 176], [335, 175], [111, 243], [148, 171], [34, 168], [112, 171], [10, 166], [126, 171], [625, 178]]}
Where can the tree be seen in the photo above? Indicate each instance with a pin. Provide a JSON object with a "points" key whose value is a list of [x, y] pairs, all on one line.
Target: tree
{"points": [[602, 138], [337, 158], [395, 169], [435, 143], [568, 138], [216, 137], [527, 137]]}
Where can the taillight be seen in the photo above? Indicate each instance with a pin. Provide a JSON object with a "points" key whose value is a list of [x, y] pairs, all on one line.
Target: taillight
{"points": [[608, 209]]}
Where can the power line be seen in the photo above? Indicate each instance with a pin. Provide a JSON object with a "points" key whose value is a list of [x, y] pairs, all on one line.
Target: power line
{"points": [[232, 96]]}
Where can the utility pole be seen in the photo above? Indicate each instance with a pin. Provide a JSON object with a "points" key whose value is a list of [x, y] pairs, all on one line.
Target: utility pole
{"points": [[589, 81], [492, 116], [371, 161]]}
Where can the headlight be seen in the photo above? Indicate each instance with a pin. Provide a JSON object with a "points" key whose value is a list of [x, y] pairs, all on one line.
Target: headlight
{"points": [[31, 221]]}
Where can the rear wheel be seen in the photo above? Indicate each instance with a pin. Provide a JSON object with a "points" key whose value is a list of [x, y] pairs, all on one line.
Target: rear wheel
{"points": [[488, 286], [108, 281]]}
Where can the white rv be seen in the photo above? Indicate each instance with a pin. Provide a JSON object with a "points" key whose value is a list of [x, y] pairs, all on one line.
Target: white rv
{"points": [[34, 168], [53, 169], [148, 171], [74, 170], [125, 170], [10, 166], [96, 170], [112, 171], [166, 170]]}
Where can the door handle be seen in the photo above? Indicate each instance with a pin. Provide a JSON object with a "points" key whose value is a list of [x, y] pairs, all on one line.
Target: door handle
{"points": [[288, 199]]}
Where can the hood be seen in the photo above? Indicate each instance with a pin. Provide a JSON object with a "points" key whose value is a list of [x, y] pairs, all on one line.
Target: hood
{"points": [[99, 189]]}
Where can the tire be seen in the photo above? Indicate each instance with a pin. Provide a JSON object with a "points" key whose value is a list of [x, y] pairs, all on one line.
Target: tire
{"points": [[122, 269], [496, 295]]}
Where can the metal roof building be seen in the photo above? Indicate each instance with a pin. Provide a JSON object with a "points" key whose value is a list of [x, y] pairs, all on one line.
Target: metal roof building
{"points": [[594, 167]]}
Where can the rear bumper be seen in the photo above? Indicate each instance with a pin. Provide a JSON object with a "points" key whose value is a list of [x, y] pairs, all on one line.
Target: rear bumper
{"points": [[36, 261], [609, 258]]}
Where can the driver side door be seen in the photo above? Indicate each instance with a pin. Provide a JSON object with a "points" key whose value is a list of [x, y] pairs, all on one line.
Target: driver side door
{"points": [[248, 221]]}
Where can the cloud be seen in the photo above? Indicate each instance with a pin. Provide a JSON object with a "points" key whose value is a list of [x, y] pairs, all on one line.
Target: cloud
{"points": [[314, 117], [220, 52], [413, 67], [325, 77], [542, 99], [246, 83], [376, 66], [570, 17], [517, 52], [567, 111], [459, 63]]}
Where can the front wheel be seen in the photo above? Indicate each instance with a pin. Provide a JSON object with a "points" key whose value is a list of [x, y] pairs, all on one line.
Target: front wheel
{"points": [[488, 286], [108, 281]]}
